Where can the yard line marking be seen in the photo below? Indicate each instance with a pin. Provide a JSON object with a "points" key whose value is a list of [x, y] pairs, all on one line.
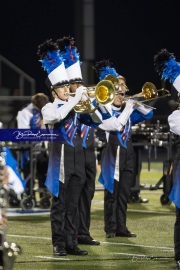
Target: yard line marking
{"points": [[28, 236], [106, 243], [138, 257], [141, 211], [136, 245], [52, 258]]}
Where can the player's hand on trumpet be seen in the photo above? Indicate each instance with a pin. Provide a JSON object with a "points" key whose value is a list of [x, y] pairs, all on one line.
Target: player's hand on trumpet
{"points": [[81, 93]]}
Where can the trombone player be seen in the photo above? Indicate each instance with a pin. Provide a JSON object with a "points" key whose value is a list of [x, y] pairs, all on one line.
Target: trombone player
{"points": [[117, 166]]}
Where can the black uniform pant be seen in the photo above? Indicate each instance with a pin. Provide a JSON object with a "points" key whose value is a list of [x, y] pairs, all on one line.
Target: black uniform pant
{"points": [[64, 207], [177, 235], [87, 193], [134, 194], [177, 222], [115, 204]]}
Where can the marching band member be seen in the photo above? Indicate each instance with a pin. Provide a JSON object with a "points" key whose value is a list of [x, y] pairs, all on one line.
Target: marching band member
{"points": [[30, 117], [117, 157], [72, 64], [66, 173], [15, 180], [11, 182], [169, 69], [9, 172]]}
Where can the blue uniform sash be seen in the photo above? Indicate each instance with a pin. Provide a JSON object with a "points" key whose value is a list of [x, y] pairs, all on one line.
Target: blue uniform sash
{"points": [[174, 196]]}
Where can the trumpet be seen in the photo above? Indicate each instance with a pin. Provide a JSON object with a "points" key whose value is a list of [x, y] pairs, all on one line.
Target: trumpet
{"points": [[86, 105], [104, 93]]}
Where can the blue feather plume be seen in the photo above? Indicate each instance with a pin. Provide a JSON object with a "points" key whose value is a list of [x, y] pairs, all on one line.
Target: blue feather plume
{"points": [[51, 61], [104, 71], [171, 70], [68, 51], [70, 56]]}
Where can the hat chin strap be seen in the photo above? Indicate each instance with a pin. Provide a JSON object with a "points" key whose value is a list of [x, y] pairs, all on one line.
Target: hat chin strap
{"points": [[58, 95]]}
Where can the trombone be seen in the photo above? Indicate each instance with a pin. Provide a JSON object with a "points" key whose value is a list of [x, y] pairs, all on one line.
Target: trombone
{"points": [[149, 92]]}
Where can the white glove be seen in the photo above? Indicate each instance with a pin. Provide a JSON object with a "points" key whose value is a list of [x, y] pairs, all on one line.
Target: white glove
{"points": [[81, 93], [124, 116], [84, 97], [130, 104]]}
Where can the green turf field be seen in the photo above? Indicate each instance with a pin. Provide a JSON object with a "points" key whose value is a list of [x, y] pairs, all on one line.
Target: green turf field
{"points": [[152, 249]]}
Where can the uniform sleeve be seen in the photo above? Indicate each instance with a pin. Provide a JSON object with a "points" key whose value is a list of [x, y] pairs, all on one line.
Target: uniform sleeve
{"points": [[174, 122], [143, 108], [116, 123], [111, 124], [52, 113], [137, 117]]}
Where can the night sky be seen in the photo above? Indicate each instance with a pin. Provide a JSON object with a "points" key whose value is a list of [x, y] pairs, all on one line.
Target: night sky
{"points": [[129, 33]]}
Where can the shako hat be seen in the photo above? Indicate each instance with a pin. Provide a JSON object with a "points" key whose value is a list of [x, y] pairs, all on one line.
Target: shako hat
{"points": [[53, 64], [104, 68], [71, 58], [167, 67]]}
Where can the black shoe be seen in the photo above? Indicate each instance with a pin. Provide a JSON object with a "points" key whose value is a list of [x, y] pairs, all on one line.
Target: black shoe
{"points": [[137, 199], [59, 251], [87, 240], [76, 251], [110, 235], [140, 200], [126, 234], [177, 265]]}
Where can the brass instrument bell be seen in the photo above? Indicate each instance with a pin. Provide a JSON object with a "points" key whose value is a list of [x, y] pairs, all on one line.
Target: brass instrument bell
{"points": [[149, 90], [105, 92]]}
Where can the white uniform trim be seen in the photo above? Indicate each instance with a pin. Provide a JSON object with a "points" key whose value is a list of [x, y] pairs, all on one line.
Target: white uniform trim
{"points": [[74, 71], [14, 182], [61, 175], [117, 170], [174, 120], [58, 74], [176, 83]]}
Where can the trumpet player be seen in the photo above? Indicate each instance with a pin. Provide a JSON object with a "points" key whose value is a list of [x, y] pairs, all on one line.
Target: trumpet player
{"points": [[68, 49], [66, 167], [117, 166]]}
